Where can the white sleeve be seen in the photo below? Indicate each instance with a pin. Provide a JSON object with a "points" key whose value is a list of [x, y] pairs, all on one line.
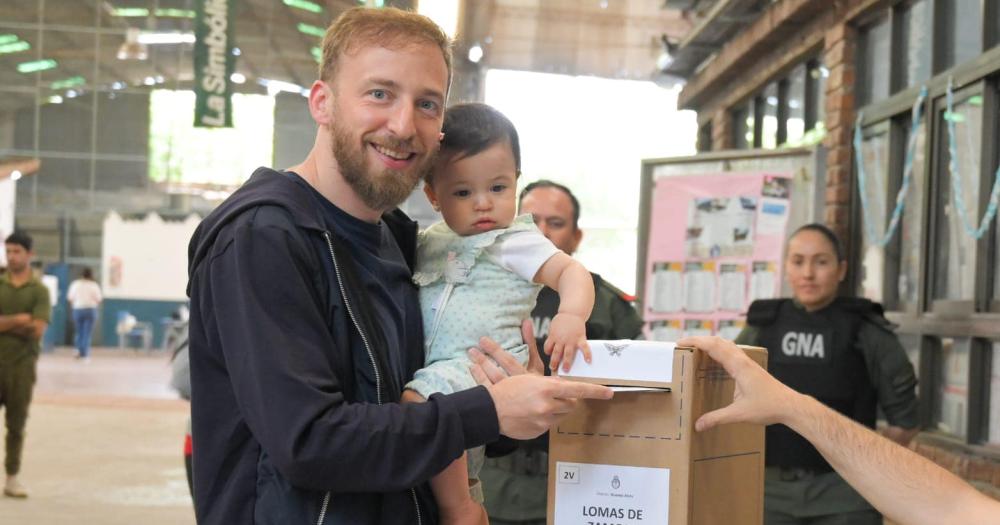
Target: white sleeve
{"points": [[522, 252], [71, 293]]}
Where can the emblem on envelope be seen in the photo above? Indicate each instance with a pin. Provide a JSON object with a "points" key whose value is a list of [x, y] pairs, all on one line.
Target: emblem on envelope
{"points": [[615, 349]]}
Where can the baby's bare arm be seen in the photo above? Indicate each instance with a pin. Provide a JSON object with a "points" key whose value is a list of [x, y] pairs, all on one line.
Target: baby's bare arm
{"points": [[576, 300]]}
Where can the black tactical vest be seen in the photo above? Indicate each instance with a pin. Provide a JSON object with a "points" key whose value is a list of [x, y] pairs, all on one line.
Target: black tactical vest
{"points": [[815, 353]]}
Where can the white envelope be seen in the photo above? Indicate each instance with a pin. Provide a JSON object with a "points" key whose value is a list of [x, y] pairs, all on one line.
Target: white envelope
{"points": [[626, 363]]}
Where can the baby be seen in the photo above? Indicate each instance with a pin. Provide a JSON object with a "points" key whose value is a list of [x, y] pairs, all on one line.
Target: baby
{"points": [[479, 273]]}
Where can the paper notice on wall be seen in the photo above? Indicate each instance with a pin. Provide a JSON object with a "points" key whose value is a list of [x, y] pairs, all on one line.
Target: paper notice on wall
{"points": [[590, 493], [730, 328], [720, 227], [763, 280], [697, 327], [668, 287], [772, 217], [666, 330], [732, 287], [699, 286]]}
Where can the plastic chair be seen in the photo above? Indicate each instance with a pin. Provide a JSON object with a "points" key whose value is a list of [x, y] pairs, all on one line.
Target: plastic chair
{"points": [[130, 330]]}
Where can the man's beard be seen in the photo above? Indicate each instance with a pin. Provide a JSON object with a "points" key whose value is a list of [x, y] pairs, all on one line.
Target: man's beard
{"points": [[378, 189]]}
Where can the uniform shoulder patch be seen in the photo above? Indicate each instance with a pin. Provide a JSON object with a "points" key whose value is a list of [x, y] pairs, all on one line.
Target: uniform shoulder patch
{"points": [[763, 312]]}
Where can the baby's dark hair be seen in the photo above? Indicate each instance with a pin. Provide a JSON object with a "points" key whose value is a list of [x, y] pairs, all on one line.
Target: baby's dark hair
{"points": [[825, 231], [471, 128]]}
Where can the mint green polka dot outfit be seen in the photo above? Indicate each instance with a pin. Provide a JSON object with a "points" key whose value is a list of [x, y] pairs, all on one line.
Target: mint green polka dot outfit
{"points": [[469, 289]]}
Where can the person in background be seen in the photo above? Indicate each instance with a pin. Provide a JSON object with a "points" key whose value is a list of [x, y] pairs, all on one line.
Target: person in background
{"points": [[85, 296], [515, 479], [24, 315], [305, 322], [904, 486], [843, 352]]}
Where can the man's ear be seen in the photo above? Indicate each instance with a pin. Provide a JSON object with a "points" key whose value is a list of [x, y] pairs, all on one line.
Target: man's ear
{"points": [[320, 102], [577, 237]]}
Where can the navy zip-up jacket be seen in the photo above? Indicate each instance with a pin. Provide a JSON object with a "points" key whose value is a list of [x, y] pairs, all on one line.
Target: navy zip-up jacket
{"points": [[286, 420]]}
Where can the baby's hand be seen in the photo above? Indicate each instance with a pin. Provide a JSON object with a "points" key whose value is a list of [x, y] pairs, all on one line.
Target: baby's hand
{"points": [[566, 333]]}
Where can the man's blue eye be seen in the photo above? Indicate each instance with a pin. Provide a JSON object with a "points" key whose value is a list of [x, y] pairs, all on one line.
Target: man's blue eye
{"points": [[428, 105], [379, 94]]}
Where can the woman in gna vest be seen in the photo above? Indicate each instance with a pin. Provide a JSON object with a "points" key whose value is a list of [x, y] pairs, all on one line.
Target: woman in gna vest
{"points": [[842, 351]]}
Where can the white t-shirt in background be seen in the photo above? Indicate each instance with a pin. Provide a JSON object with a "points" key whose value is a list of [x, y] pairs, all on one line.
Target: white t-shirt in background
{"points": [[84, 293]]}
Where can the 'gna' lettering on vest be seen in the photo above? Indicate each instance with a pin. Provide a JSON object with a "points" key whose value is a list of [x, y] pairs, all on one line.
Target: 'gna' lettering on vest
{"points": [[803, 345]]}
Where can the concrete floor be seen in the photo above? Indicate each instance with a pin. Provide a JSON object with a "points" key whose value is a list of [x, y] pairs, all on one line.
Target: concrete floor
{"points": [[104, 444]]}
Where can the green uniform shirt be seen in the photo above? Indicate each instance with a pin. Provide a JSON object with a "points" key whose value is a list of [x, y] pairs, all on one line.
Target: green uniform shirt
{"points": [[613, 316], [31, 298], [889, 371]]}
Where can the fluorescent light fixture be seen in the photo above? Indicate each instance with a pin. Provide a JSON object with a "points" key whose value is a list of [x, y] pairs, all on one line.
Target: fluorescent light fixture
{"points": [[311, 30], [305, 5], [237, 52], [71, 93], [277, 86], [165, 38], [130, 12], [238, 78], [37, 65], [55, 99], [118, 84], [8, 39], [16, 174], [14, 47], [148, 81], [68, 82], [175, 13]]}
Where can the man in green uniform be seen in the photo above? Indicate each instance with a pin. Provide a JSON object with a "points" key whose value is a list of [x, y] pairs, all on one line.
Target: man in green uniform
{"points": [[515, 484], [24, 314]]}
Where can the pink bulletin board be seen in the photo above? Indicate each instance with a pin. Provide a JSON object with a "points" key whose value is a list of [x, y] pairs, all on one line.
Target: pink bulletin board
{"points": [[715, 244]]}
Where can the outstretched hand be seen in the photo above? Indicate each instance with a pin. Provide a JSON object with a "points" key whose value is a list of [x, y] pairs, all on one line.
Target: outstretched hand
{"points": [[759, 397]]}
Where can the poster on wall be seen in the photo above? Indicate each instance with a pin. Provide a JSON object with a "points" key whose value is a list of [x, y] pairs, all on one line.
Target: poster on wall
{"points": [[720, 227], [715, 245], [699, 286], [732, 286], [667, 294]]}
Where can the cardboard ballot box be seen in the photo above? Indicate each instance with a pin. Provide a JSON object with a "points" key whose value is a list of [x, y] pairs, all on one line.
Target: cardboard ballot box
{"points": [[637, 460]]}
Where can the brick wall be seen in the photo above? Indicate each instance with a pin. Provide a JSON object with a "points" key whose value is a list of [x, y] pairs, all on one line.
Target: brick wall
{"points": [[722, 130], [838, 56], [981, 472]]}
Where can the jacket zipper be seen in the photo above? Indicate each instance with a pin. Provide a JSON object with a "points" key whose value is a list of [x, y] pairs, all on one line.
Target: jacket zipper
{"points": [[371, 359]]}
